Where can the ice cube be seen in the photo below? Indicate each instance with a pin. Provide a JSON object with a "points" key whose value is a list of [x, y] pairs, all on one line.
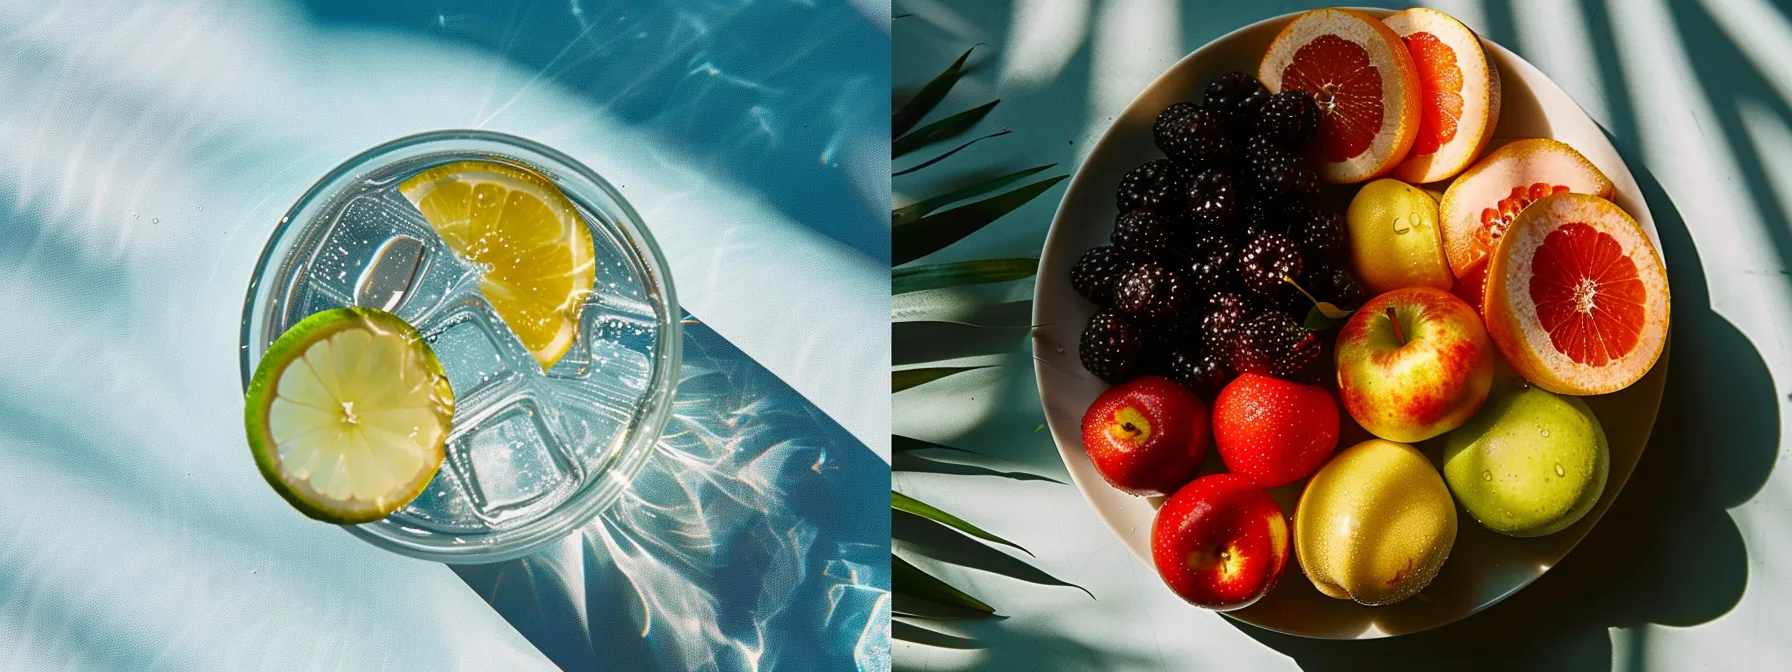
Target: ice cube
{"points": [[474, 354], [511, 460], [442, 507], [387, 280]]}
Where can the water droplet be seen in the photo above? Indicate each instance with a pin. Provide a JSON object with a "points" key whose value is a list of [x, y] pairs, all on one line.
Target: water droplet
{"points": [[155, 220], [1400, 226], [1560, 471], [1486, 475], [1545, 434]]}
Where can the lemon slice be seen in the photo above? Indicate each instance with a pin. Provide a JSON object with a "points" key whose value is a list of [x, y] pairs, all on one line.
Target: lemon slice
{"points": [[348, 414], [533, 251]]}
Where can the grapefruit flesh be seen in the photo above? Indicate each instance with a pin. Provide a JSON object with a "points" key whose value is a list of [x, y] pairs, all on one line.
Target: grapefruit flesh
{"points": [[1363, 79], [1481, 205], [1577, 297], [1459, 99]]}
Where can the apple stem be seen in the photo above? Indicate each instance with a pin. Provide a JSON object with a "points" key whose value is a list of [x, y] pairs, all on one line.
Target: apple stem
{"points": [[1395, 322]]}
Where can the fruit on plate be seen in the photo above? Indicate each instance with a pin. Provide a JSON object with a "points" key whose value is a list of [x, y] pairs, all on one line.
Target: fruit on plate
{"points": [[1460, 90], [1273, 431], [1395, 241], [1471, 286], [1577, 297], [1197, 283], [1413, 363], [1117, 349], [1220, 542], [1530, 463], [533, 251], [1479, 206], [1375, 524], [1146, 437], [348, 415], [1363, 81]]}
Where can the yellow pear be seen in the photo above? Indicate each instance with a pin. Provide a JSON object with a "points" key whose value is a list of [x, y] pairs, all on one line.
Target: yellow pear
{"points": [[1374, 524]]}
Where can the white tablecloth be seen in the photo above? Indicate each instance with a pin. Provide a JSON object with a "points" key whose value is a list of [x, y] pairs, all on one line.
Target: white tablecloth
{"points": [[1690, 569]]}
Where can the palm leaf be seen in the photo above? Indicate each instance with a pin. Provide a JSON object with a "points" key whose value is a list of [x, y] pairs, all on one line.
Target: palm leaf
{"points": [[949, 153], [934, 232], [903, 444], [981, 271], [949, 127], [918, 209], [908, 580], [929, 96], [905, 503], [907, 378]]}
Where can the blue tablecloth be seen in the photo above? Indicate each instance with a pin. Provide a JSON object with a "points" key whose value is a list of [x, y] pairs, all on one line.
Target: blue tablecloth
{"points": [[146, 151]]}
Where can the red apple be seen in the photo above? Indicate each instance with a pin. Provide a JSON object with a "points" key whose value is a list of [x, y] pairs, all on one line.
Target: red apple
{"points": [[1147, 436], [1220, 542], [1273, 431], [1414, 363]]}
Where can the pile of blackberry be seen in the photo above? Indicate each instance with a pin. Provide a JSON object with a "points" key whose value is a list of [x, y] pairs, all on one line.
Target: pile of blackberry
{"points": [[1192, 287]]}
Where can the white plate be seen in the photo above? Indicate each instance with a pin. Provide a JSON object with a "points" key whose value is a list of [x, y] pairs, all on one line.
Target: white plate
{"points": [[1484, 567]]}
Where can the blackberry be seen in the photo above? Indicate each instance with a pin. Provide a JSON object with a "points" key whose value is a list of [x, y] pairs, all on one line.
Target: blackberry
{"points": [[1336, 286], [1211, 270], [1200, 370], [1255, 217], [1142, 232], [1236, 93], [1212, 199], [1225, 312], [1265, 259], [1200, 240], [1211, 251], [1159, 186], [1167, 121], [1320, 235], [1183, 330], [1274, 344], [1278, 175], [1152, 290], [1200, 138], [1094, 273], [1115, 349], [1290, 119]]}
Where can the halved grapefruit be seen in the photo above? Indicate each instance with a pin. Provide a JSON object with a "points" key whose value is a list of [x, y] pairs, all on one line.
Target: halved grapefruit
{"points": [[1460, 94], [1480, 205], [1577, 297], [1363, 79]]}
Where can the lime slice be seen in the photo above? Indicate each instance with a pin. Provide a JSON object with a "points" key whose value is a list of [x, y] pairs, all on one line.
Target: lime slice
{"points": [[534, 252], [348, 414]]}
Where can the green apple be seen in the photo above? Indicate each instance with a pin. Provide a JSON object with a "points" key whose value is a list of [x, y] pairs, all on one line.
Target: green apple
{"points": [[1413, 363], [1530, 463]]}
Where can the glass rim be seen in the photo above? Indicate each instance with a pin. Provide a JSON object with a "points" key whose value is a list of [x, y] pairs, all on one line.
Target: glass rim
{"points": [[601, 490]]}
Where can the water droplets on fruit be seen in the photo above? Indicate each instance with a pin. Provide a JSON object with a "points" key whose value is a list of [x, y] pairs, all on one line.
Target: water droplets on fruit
{"points": [[1560, 471], [1400, 226], [1486, 475], [1545, 434]]}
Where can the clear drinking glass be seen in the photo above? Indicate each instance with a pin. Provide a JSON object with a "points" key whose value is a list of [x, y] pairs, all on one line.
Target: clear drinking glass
{"points": [[531, 454]]}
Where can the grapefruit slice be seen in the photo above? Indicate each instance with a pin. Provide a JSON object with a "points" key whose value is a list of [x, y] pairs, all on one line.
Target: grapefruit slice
{"points": [[1577, 297], [1460, 94], [1480, 205], [1364, 81]]}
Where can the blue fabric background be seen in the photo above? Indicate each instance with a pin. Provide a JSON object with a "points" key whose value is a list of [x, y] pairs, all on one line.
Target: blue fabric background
{"points": [[151, 146]]}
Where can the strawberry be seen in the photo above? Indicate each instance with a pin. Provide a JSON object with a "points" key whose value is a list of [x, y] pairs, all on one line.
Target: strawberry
{"points": [[1273, 431]]}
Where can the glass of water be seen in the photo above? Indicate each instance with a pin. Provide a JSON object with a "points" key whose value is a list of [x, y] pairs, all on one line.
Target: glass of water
{"points": [[532, 454]]}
